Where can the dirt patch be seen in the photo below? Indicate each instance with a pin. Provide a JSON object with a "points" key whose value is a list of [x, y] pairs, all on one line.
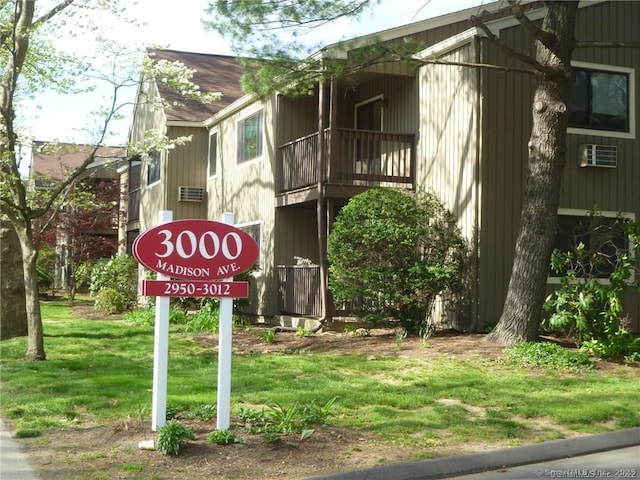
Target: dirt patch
{"points": [[111, 451]]}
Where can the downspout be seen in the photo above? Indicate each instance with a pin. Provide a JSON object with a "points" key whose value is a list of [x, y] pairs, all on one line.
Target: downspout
{"points": [[477, 184], [321, 210]]}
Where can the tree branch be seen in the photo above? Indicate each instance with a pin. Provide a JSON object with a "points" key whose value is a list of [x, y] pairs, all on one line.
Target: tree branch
{"points": [[52, 13], [486, 66], [547, 39], [606, 44], [508, 50]]}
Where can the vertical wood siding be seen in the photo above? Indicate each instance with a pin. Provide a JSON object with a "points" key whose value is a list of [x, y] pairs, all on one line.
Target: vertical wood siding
{"points": [[148, 117], [447, 149], [506, 129], [447, 146], [187, 166], [247, 190]]}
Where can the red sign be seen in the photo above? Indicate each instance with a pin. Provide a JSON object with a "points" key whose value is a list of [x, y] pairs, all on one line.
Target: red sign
{"points": [[196, 250], [181, 288]]}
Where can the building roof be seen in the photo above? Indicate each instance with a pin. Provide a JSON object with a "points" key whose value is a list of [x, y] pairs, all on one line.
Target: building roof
{"points": [[53, 161], [212, 73]]}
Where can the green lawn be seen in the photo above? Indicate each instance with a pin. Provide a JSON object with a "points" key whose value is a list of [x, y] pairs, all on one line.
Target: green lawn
{"points": [[100, 371]]}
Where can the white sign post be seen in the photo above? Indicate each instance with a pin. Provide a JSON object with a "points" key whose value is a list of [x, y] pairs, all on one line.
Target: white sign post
{"points": [[194, 257], [224, 352], [160, 349]]}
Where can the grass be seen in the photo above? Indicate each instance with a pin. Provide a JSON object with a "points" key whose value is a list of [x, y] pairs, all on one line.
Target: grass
{"points": [[101, 372]]}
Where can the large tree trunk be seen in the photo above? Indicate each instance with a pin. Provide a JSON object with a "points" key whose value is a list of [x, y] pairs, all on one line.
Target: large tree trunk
{"points": [[522, 312], [13, 314]]}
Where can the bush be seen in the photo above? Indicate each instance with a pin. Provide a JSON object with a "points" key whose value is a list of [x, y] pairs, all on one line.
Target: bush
{"points": [[46, 267], [141, 316], [587, 306], [173, 436], [111, 301], [207, 319], [117, 277], [83, 273], [45, 281], [224, 437], [547, 355], [393, 252]]}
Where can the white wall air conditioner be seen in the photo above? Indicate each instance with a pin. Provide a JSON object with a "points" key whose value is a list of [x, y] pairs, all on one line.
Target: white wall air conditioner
{"points": [[190, 194], [592, 155]]}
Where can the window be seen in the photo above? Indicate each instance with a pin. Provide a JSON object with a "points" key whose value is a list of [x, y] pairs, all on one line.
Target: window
{"points": [[250, 137], [602, 235], [213, 154], [153, 169], [253, 229], [601, 101]]}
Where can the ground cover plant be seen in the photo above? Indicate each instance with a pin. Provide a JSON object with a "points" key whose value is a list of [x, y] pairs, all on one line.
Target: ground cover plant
{"points": [[301, 405]]}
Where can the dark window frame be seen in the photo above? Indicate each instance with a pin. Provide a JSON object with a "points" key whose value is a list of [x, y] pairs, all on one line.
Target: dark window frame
{"points": [[212, 155], [246, 151], [597, 232], [154, 167], [584, 117], [254, 230]]}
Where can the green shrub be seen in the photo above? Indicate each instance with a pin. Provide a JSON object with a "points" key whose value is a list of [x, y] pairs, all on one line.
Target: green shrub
{"points": [[46, 267], [224, 437], [272, 421], [118, 276], [111, 301], [173, 436], [141, 316], [83, 273], [268, 336], [548, 355], [45, 281], [205, 320], [588, 306], [392, 252]]}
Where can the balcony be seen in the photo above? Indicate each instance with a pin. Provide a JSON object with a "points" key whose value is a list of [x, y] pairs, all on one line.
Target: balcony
{"points": [[355, 158]]}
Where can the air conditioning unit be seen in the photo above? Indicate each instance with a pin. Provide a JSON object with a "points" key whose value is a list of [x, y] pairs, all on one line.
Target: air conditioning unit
{"points": [[592, 155], [190, 194]]}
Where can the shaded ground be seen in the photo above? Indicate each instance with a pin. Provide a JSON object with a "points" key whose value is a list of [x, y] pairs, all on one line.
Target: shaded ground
{"points": [[111, 452]]}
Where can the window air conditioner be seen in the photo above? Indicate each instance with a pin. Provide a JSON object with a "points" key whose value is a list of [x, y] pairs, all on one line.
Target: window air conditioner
{"points": [[592, 155], [190, 194]]}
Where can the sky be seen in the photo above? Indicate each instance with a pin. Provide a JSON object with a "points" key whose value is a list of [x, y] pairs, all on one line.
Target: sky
{"points": [[177, 25]]}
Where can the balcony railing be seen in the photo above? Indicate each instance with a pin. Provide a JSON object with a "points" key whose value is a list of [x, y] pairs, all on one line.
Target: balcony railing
{"points": [[354, 157]]}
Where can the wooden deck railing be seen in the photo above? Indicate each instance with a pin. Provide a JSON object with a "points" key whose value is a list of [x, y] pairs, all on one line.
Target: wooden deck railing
{"points": [[355, 157]]}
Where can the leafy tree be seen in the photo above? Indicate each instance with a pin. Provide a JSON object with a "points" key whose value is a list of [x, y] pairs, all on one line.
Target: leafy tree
{"points": [[394, 251], [255, 28], [30, 63], [88, 211]]}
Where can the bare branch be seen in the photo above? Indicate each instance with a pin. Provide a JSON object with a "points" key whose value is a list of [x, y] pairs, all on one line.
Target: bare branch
{"points": [[606, 44], [547, 39], [508, 50], [486, 66], [52, 13]]}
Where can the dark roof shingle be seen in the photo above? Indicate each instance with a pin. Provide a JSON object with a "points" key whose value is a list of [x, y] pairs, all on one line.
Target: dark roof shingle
{"points": [[213, 73]]}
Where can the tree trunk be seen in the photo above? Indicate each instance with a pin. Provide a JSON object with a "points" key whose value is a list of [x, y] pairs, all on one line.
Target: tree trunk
{"points": [[522, 313], [13, 314], [35, 336]]}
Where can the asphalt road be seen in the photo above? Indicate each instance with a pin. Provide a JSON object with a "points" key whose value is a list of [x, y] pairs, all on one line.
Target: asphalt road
{"points": [[612, 455]]}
